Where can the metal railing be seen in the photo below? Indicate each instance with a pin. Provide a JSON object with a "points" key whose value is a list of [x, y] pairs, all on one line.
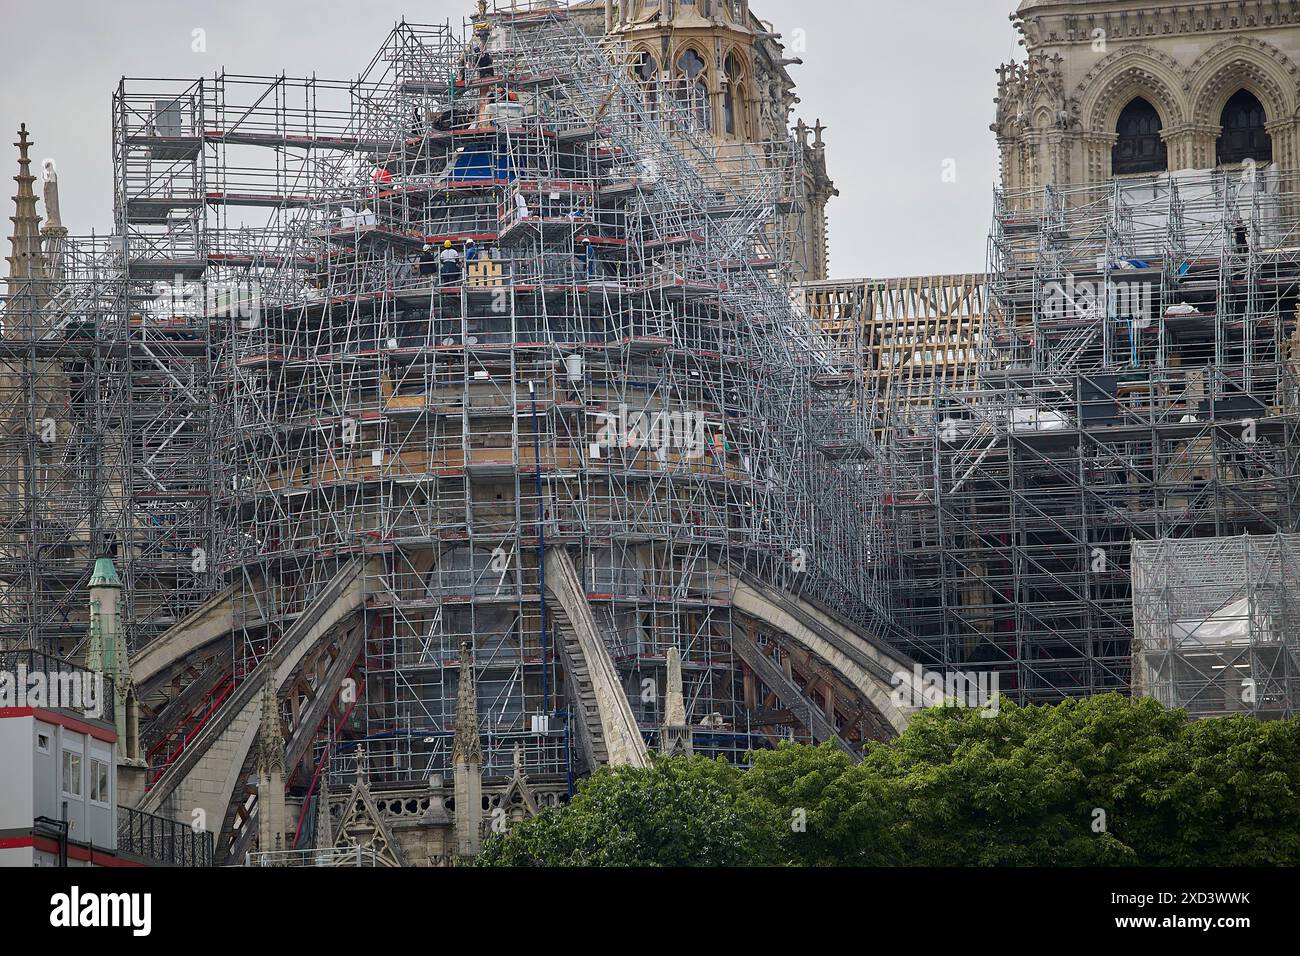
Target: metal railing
{"points": [[326, 856], [161, 841]]}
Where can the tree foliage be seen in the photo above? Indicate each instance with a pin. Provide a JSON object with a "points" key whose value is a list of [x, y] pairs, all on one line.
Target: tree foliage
{"points": [[676, 812], [1103, 782]]}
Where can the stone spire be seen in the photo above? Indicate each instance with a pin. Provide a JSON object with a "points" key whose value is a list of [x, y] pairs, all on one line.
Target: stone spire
{"points": [[272, 752], [26, 260], [324, 832], [468, 748], [467, 761], [270, 770], [675, 703], [675, 737]]}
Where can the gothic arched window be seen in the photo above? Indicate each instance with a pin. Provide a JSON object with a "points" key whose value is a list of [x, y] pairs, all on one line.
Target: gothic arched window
{"points": [[646, 68], [646, 71], [1139, 148], [733, 98], [693, 88], [1244, 134]]}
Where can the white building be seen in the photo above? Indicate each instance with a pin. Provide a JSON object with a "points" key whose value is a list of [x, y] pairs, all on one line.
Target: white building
{"points": [[58, 791]]}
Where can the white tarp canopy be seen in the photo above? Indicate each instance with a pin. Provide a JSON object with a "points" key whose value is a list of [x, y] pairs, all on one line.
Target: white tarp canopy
{"points": [[1228, 626]]}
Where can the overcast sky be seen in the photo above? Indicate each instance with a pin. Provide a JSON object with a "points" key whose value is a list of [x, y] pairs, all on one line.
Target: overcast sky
{"points": [[904, 87]]}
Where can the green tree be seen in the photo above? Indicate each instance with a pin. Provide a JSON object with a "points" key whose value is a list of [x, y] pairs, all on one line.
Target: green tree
{"points": [[833, 813], [1105, 781], [677, 812], [1226, 792], [1012, 789]]}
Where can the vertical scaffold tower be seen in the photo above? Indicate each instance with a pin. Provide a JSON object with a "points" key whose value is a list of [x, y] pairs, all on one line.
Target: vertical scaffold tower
{"points": [[1137, 382], [162, 533], [1216, 624]]}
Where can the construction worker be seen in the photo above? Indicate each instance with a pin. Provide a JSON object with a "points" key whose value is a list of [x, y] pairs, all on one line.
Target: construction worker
{"points": [[587, 259], [428, 261], [450, 260], [1236, 304], [485, 70], [471, 253]]}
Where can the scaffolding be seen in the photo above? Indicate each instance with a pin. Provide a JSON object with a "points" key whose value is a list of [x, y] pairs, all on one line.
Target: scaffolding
{"points": [[1137, 381], [498, 296], [103, 397], [58, 380], [1217, 625]]}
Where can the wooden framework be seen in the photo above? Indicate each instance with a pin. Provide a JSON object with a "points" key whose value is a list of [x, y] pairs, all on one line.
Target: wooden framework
{"points": [[915, 334]]}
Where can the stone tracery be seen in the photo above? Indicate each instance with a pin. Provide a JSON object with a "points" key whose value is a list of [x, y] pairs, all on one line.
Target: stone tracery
{"points": [[1107, 58]]}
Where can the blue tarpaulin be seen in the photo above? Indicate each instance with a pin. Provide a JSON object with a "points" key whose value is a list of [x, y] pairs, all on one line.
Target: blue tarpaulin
{"points": [[479, 166]]}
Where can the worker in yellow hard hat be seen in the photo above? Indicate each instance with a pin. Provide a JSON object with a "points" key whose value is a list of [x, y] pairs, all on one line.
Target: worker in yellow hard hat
{"points": [[450, 260]]}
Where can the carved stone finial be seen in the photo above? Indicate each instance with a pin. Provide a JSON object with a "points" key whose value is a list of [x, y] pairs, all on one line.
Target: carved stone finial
{"points": [[467, 761], [363, 764], [272, 736], [324, 830], [468, 748]]}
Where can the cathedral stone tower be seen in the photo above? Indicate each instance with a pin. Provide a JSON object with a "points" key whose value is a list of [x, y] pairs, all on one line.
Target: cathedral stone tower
{"points": [[733, 67], [1127, 87]]}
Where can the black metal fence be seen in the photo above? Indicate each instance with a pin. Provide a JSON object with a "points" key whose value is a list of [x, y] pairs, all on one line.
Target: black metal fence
{"points": [[161, 841]]}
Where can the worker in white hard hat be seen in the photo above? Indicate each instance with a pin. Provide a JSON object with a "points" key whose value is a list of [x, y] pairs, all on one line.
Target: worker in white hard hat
{"points": [[586, 256], [428, 261]]}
